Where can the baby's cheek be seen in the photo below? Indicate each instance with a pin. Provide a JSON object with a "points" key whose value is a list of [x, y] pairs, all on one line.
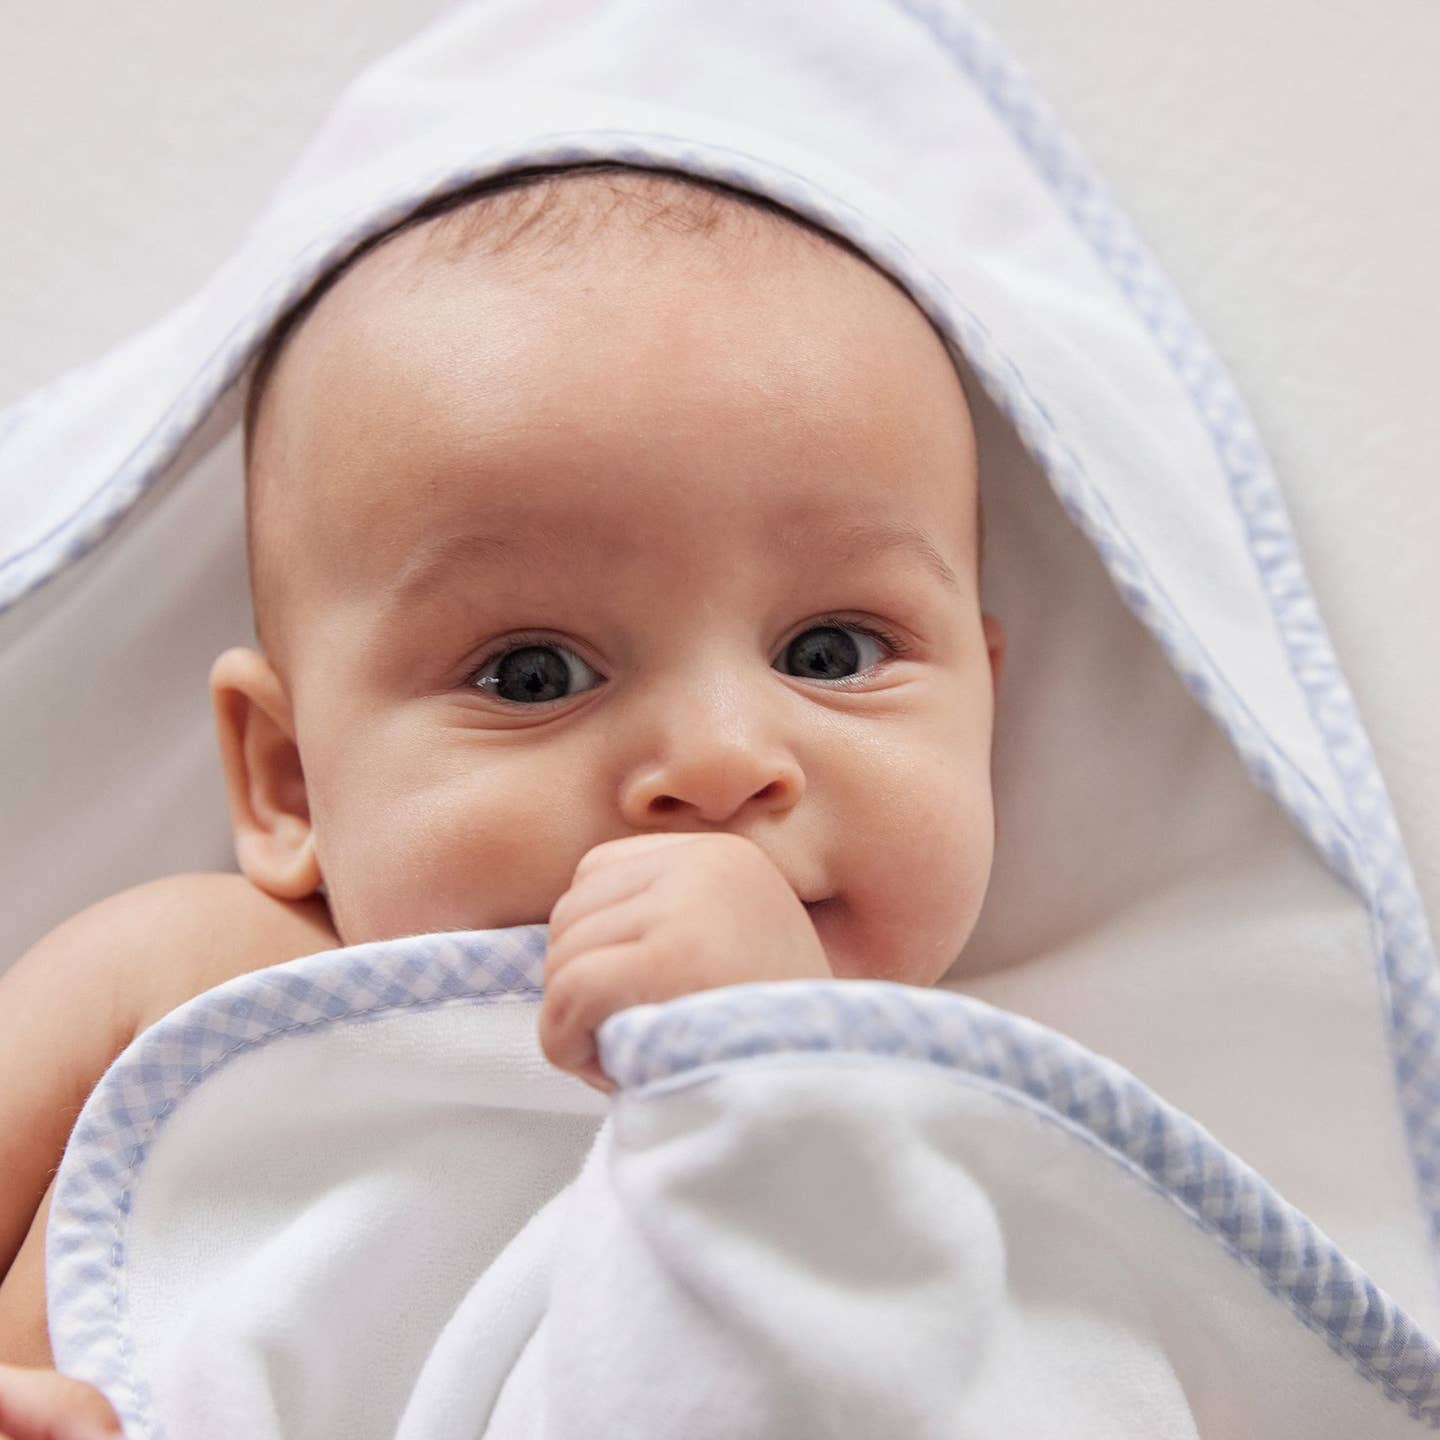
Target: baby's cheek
{"points": [[934, 814], [456, 856], [924, 865]]}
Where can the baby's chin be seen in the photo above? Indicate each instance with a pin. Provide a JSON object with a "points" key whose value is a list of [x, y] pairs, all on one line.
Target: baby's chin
{"points": [[898, 955]]}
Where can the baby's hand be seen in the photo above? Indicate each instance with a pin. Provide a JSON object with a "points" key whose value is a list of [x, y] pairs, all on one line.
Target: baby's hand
{"points": [[38, 1404], [651, 917]]}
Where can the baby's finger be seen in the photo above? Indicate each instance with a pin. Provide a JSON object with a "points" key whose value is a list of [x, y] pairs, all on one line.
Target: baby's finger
{"points": [[579, 998], [592, 1074], [609, 852], [39, 1404], [618, 924], [602, 888]]}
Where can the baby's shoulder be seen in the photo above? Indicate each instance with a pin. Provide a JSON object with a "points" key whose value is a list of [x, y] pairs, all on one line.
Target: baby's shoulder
{"points": [[77, 997], [188, 933]]}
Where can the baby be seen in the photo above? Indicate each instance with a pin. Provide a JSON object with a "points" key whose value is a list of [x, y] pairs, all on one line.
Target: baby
{"points": [[614, 551]]}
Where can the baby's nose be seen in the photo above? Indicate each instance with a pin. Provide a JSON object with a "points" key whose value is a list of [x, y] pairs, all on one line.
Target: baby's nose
{"points": [[713, 782]]}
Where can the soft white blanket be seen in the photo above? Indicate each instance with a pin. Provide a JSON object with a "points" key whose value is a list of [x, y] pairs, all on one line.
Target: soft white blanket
{"points": [[345, 1196]]}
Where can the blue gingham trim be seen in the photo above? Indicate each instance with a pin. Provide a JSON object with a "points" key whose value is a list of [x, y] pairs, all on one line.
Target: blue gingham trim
{"points": [[1364, 847], [1092, 1098], [87, 1233], [646, 1046], [1368, 850]]}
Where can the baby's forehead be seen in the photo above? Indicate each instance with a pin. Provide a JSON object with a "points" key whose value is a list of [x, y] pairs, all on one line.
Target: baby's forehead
{"points": [[435, 376], [418, 350], [547, 225]]}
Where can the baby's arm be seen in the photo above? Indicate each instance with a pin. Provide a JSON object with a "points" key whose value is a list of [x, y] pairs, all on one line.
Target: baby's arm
{"points": [[63, 1018], [73, 1002]]}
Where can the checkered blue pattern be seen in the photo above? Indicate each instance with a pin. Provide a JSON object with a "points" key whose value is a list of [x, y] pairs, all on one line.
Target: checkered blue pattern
{"points": [[1093, 1099], [86, 1237], [1366, 846], [643, 1048]]}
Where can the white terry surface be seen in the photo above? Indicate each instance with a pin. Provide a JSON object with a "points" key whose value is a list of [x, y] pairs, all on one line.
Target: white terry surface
{"points": [[1273, 157], [737, 1255], [322, 1262]]}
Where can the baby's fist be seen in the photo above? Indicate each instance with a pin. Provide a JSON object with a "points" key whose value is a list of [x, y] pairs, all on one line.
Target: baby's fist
{"points": [[651, 917]]}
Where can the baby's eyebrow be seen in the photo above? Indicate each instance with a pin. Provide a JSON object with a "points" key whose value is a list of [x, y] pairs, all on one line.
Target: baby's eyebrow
{"points": [[854, 539], [443, 563], [449, 560]]}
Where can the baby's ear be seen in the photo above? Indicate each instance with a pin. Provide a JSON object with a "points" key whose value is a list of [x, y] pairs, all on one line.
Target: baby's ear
{"points": [[264, 784]]}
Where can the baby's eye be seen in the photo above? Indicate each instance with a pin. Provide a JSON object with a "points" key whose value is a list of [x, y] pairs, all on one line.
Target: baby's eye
{"points": [[535, 671], [824, 651], [528, 674]]}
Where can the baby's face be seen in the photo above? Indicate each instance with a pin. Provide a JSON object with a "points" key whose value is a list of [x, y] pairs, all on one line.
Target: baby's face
{"points": [[665, 538]]}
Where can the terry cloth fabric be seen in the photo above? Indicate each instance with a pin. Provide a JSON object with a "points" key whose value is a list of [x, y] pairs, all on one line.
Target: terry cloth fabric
{"points": [[811, 1209], [1198, 877]]}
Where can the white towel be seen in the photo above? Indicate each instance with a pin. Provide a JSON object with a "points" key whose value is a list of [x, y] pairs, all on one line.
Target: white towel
{"points": [[1198, 876], [813, 1209]]}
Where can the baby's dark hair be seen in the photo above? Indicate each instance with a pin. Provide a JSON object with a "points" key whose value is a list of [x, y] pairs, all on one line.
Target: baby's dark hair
{"points": [[533, 210]]}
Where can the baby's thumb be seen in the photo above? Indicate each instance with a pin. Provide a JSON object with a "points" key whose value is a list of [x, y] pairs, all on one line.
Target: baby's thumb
{"points": [[43, 1405]]}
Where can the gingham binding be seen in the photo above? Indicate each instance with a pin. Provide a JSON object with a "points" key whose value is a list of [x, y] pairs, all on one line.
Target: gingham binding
{"points": [[1090, 1097], [646, 1047], [86, 1236], [1367, 848]]}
